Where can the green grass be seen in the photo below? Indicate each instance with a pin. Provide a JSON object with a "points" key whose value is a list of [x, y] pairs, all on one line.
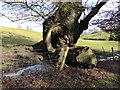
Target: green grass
{"points": [[12, 36], [99, 35], [99, 45]]}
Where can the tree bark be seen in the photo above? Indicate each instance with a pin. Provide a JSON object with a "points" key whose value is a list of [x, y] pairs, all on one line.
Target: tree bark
{"points": [[63, 27]]}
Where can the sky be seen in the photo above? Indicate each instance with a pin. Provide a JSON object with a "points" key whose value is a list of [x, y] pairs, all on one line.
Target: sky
{"points": [[37, 27]]}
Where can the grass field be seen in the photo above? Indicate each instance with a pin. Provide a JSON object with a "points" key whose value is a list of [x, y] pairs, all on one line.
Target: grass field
{"points": [[99, 35], [99, 45], [13, 37]]}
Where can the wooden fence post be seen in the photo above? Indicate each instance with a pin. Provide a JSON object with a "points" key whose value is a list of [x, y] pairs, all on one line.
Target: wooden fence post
{"points": [[113, 53]]}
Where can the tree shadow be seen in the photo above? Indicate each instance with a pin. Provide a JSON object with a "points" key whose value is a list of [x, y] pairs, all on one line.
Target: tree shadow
{"points": [[16, 40], [112, 66]]}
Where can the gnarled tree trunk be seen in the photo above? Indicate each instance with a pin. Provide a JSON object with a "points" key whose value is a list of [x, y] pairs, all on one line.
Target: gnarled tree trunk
{"points": [[62, 29]]}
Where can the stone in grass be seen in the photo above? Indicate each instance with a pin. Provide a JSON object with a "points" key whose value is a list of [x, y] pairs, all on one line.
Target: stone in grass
{"points": [[82, 57]]}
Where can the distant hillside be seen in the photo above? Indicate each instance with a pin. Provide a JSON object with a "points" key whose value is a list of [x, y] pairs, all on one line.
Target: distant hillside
{"points": [[96, 36], [12, 36]]}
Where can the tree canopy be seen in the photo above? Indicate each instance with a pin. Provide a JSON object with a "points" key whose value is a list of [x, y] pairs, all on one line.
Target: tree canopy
{"points": [[36, 11]]}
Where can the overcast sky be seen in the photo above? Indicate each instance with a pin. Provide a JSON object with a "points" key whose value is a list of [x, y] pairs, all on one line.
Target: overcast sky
{"points": [[36, 27]]}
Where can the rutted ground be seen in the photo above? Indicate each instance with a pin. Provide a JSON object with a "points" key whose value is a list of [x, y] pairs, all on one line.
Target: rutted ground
{"points": [[105, 75]]}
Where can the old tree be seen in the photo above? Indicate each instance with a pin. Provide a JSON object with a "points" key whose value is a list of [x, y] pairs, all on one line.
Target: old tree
{"points": [[61, 26]]}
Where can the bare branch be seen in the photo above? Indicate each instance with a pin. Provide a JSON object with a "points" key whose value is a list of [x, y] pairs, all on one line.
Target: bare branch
{"points": [[93, 12], [33, 9]]}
